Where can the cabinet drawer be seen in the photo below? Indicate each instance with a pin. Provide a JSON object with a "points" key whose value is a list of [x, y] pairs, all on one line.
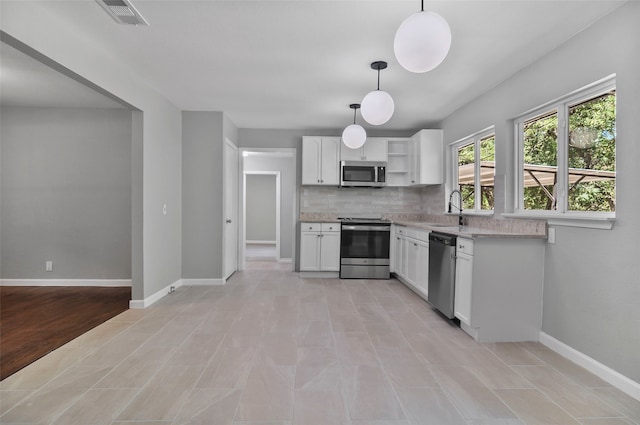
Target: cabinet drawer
{"points": [[311, 227], [400, 230], [330, 227], [465, 246]]}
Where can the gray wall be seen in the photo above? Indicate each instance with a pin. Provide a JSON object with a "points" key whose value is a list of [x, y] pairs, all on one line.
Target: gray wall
{"points": [[157, 146], [203, 138], [66, 193], [261, 207], [202, 206], [288, 216], [591, 288]]}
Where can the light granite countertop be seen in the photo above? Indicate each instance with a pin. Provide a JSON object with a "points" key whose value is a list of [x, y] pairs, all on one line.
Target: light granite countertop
{"points": [[478, 227], [469, 231]]}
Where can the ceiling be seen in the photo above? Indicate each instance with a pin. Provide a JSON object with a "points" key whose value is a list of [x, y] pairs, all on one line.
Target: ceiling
{"points": [[298, 64]]}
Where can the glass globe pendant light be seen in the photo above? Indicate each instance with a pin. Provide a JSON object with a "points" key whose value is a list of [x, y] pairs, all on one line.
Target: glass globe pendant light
{"points": [[377, 106], [354, 136], [422, 41]]}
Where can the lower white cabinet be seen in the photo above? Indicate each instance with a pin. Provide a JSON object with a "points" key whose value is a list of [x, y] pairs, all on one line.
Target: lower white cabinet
{"points": [[320, 247], [498, 288], [464, 276], [410, 258], [418, 264]]}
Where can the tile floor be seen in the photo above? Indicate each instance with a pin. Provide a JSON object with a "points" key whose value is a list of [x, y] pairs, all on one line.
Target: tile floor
{"points": [[272, 348]]}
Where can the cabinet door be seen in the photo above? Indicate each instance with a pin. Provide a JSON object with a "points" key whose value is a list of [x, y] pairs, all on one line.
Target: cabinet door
{"points": [[348, 154], [422, 268], [426, 162], [399, 264], [463, 288], [330, 252], [330, 163], [412, 261], [309, 251], [375, 149], [311, 156]]}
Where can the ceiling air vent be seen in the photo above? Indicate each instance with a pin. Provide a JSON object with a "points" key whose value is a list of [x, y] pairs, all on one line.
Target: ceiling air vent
{"points": [[123, 12]]}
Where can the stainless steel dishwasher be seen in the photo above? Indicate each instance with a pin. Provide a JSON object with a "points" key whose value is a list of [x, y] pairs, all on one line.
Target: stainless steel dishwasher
{"points": [[442, 272]]}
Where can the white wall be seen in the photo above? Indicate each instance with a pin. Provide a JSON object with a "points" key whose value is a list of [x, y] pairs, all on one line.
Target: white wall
{"points": [[591, 290], [159, 263]]}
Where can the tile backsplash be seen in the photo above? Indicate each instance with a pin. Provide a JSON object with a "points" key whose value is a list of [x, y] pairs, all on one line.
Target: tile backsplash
{"points": [[387, 200]]}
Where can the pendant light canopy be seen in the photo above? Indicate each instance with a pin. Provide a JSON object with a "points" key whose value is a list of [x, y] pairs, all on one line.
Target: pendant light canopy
{"points": [[377, 106], [422, 41], [354, 136]]}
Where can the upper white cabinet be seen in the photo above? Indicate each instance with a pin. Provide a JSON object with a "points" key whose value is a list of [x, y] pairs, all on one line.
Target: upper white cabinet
{"points": [[320, 160], [426, 160], [374, 149], [398, 162]]}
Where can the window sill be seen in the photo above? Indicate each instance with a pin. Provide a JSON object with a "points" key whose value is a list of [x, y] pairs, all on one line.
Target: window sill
{"points": [[568, 220]]}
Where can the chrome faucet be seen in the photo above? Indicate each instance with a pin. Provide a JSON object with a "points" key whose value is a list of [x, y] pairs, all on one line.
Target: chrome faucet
{"points": [[459, 207]]}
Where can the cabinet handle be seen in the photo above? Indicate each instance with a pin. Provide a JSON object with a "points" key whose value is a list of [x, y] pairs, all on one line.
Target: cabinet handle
{"points": [[415, 244]]}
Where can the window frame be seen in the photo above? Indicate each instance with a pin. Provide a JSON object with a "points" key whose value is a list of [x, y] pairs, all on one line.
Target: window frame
{"points": [[474, 139], [562, 215]]}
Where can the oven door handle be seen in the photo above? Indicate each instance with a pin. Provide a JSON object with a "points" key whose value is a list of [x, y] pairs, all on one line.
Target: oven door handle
{"points": [[367, 228]]}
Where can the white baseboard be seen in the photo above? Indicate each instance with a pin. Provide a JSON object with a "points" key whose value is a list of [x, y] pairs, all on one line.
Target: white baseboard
{"points": [[165, 291], [618, 380], [285, 260], [261, 242], [202, 282], [155, 297], [66, 282]]}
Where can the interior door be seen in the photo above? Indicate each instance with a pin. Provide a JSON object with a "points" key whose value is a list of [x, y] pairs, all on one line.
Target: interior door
{"points": [[230, 232]]}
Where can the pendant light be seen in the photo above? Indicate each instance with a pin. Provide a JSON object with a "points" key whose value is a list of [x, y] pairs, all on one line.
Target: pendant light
{"points": [[354, 136], [422, 41], [377, 106]]}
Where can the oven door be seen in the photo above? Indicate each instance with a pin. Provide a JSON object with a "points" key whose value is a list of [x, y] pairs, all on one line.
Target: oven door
{"points": [[365, 244]]}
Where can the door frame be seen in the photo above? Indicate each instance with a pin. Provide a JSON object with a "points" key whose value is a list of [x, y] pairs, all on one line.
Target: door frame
{"points": [[225, 190], [243, 241], [292, 154]]}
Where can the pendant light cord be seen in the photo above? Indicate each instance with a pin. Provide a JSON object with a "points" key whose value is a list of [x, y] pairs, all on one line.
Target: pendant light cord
{"points": [[378, 78], [354, 115], [422, 6]]}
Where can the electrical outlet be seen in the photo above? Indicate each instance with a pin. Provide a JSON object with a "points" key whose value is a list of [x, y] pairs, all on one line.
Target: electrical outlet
{"points": [[551, 235], [48, 266], [172, 289]]}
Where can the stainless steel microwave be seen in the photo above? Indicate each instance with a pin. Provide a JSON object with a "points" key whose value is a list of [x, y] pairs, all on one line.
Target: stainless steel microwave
{"points": [[363, 174]]}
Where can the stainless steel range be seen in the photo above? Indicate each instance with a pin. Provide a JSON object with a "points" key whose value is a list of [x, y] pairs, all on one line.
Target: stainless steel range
{"points": [[364, 248]]}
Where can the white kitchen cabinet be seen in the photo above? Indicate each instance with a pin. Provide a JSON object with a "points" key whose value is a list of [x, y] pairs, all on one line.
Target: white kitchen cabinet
{"points": [[374, 149], [398, 162], [411, 258], [320, 160], [319, 247], [418, 264], [426, 158], [498, 288], [398, 247], [464, 273]]}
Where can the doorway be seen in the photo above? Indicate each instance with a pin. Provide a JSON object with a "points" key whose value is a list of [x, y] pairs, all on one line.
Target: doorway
{"points": [[268, 205], [262, 215]]}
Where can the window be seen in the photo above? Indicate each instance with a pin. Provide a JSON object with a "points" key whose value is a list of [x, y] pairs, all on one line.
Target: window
{"points": [[474, 165], [566, 155]]}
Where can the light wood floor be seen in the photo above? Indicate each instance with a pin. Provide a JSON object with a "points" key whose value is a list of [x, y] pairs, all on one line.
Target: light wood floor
{"points": [[272, 348]]}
